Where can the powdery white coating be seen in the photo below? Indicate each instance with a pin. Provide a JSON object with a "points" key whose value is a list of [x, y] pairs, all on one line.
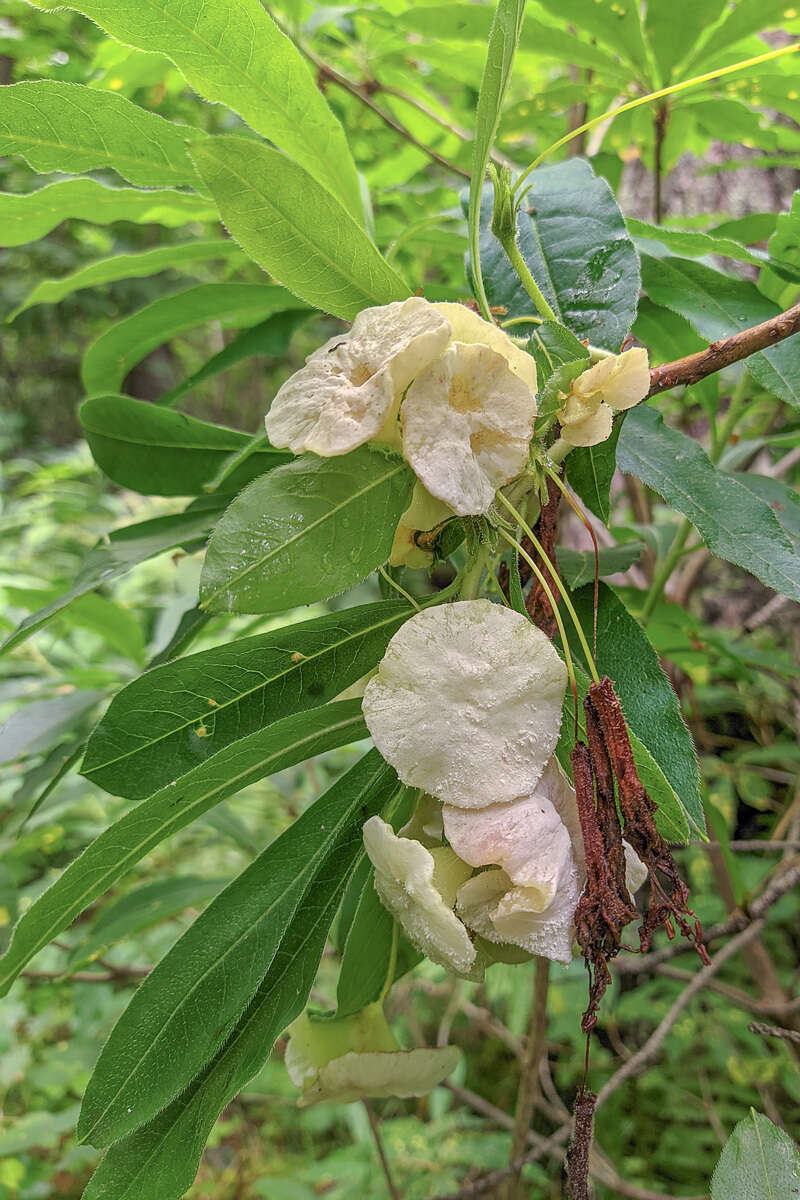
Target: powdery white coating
{"points": [[490, 905], [404, 881], [467, 423], [403, 1073], [615, 383], [471, 328], [349, 389], [466, 703]]}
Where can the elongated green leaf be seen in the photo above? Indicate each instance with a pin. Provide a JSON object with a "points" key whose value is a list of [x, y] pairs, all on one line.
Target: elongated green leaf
{"points": [[553, 346], [292, 227], [759, 1162], [159, 452], [373, 948], [306, 531], [735, 524], [159, 1044], [161, 1158], [67, 127], [120, 847], [26, 218], [234, 54], [693, 243], [647, 697], [271, 337], [717, 306], [573, 238], [618, 26], [121, 551], [109, 359], [783, 501], [38, 725], [128, 266], [177, 715], [577, 566], [140, 909], [590, 470], [672, 28], [503, 39]]}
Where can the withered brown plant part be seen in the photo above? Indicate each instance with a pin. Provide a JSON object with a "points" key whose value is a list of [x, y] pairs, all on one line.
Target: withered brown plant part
{"points": [[580, 1145], [669, 895], [537, 603]]}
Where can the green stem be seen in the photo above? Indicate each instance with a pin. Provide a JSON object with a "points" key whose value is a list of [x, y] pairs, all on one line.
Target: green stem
{"points": [[564, 593], [471, 580], [528, 282]]}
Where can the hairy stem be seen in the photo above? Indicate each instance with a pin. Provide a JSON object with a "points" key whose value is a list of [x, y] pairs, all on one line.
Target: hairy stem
{"points": [[526, 278]]}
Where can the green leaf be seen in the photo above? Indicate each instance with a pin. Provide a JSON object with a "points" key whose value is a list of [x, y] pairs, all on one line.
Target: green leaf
{"points": [[552, 395], [161, 1158], [734, 523], [269, 337], [122, 845], [122, 550], [293, 228], [648, 699], [159, 452], [67, 127], [35, 726], [759, 1162], [618, 26], [672, 28], [669, 336], [573, 238], [308, 530], [783, 500], [717, 306], [26, 218], [590, 470], [234, 54], [184, 1010], [554, 346], [127, 266], [109, 359], [367, 954], [577, 566], [694, 243], [178, 715], [503, 38], [141, 909]]}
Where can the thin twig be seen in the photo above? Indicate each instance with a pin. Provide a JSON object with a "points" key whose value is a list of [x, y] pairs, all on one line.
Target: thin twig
{"points": [[774, 1031], [376, 1133], [115, 975], [685, 371], [529, 1076]]}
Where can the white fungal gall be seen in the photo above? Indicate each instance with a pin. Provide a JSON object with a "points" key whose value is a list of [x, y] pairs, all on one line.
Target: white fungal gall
{"points": [[469, 327], [466, 703], [467, 423], [358, 1057], [492, 906], [349, 390], [418, 887], [611, 385]]}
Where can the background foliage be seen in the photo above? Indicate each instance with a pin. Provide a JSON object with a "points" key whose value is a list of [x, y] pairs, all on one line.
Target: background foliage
{"points": [[141, 293]]}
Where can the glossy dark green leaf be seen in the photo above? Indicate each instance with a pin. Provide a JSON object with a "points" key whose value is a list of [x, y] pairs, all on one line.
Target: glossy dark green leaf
{"points": [[177, 715], [128, 266], [573, 238], [717, 306], [140, 909], [185, 1009], [784, 502], [115, 851], [294, 228], [67, 127], [26, 218], [161, 1158], [736, 524], [235, 54], [367, 954], [759, 1162], [625, 654], [308, 530], [160, 452], [109, 359], [590, 470], [122, 550]]}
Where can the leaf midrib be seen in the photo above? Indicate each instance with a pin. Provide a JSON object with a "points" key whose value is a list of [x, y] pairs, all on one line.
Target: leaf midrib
{"points": [[235, 580], [326, 848], [298, 666], [157, 836]]}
